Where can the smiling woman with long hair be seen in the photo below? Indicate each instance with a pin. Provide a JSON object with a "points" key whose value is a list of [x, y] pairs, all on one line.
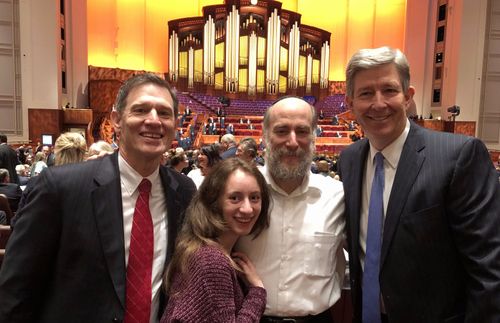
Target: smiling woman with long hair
{"points": [[204, 278]]}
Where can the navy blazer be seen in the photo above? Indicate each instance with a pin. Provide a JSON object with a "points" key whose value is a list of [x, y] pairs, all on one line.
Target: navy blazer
{"points": [[65, 260], [440, 258]]}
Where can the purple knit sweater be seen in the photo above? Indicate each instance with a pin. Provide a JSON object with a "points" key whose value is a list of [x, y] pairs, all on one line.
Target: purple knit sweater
{"points": [[210, 292]]}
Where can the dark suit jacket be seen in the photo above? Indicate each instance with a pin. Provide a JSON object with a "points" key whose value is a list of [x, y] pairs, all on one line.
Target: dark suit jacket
{"points": [[13, 193], [440, 258], [65, 260], [8, 160], [231, 152]]}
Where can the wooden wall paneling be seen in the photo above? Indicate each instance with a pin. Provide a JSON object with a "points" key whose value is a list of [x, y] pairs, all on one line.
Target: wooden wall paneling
{"points": [[44, 121]]}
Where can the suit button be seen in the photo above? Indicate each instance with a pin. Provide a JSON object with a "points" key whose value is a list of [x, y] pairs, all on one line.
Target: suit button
{"points": [[117, 320]]}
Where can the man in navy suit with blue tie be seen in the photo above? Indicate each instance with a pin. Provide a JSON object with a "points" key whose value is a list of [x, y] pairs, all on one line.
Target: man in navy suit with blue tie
{"points": [[437, 254]]}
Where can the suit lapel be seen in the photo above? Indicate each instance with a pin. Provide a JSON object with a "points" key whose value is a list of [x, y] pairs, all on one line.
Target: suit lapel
{"points": [[108, 213], [170, 186], [408, 168], [356, 170]]}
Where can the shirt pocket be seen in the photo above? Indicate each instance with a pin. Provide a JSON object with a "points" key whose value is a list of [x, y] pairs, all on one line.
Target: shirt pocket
{"points": [[319, 253]]}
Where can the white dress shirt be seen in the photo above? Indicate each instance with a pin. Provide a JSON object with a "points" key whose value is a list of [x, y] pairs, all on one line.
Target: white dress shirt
{"points": [[196, 176], [391, 153], [130, 181], [299, 257]]}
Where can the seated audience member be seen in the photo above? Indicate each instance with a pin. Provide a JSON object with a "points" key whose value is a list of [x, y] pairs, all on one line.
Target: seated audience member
{"points": [[335, 120], [178, 159], [195, 173], [230, 129], [208, 157], [11, 190], [202, 279], [247, 150], [99, 148], [39, 164], [323, 167], [228, 146], [70, 148], [22, 174]]}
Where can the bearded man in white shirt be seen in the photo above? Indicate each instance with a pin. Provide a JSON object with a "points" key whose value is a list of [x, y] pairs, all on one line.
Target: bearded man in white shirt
{"points": [[300, 256]]}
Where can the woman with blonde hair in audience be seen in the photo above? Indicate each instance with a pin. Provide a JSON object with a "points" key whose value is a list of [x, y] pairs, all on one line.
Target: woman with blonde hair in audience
{"points": [[202, 278], [39, 164], [70, 148]]}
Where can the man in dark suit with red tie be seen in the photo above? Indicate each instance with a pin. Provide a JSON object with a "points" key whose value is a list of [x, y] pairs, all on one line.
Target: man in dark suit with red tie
{"points": [[423, 218], [93, 239]]}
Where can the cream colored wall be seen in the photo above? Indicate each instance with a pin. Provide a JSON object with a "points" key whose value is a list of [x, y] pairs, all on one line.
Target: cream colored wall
{"points": [[40, 78], [416, 48]]}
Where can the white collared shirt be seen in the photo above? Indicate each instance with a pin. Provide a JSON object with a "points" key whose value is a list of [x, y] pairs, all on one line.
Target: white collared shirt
{"points": [[196, 176], [299, 257], [391, 153], [130, 181]]}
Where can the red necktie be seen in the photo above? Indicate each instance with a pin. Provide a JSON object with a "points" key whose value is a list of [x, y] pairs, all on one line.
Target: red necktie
{"points": [[140, 260]]}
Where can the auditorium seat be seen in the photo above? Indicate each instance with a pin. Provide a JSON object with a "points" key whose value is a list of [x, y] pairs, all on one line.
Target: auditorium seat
{"points": [[4, 206], [5, 231]]}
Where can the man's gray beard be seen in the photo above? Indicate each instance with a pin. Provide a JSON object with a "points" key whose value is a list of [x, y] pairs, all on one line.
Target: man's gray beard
{"points": [[279, 170]]}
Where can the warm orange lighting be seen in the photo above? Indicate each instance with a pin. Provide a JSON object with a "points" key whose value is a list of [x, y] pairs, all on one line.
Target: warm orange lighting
{"points": [[133, 34]]}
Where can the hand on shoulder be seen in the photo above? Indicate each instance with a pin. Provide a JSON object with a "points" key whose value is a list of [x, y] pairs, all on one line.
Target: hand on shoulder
{"points": [[249, 272]]}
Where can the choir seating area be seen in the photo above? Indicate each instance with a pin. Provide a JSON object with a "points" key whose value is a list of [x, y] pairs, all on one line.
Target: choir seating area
{"points": [[246, 118]]}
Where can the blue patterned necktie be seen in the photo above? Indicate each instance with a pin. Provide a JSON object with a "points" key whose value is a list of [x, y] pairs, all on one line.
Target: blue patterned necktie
{"points": [[371, 285]]}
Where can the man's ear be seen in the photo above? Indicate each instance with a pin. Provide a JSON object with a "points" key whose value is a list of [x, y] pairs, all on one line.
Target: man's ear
{"points": [[410, 104], [410, 93], [348, 102], [115, 121]]}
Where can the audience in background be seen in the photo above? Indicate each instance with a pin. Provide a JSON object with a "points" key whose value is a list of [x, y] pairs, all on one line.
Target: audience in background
{"points": [[22, 174], [323, 168], [228, 146], [8, 158], [247, 150], [70, 147], [11, 190], [202, 279], [38, 165], [208, 157], [49, 155], [100, 148], [177, 159]]}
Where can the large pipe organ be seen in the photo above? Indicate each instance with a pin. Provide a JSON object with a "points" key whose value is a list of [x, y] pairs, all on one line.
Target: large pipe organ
{"points": [[251, 50]]}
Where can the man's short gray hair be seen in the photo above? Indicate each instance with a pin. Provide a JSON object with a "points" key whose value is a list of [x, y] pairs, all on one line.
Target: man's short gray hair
{"points": [[4, 173], [366, 59]]}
